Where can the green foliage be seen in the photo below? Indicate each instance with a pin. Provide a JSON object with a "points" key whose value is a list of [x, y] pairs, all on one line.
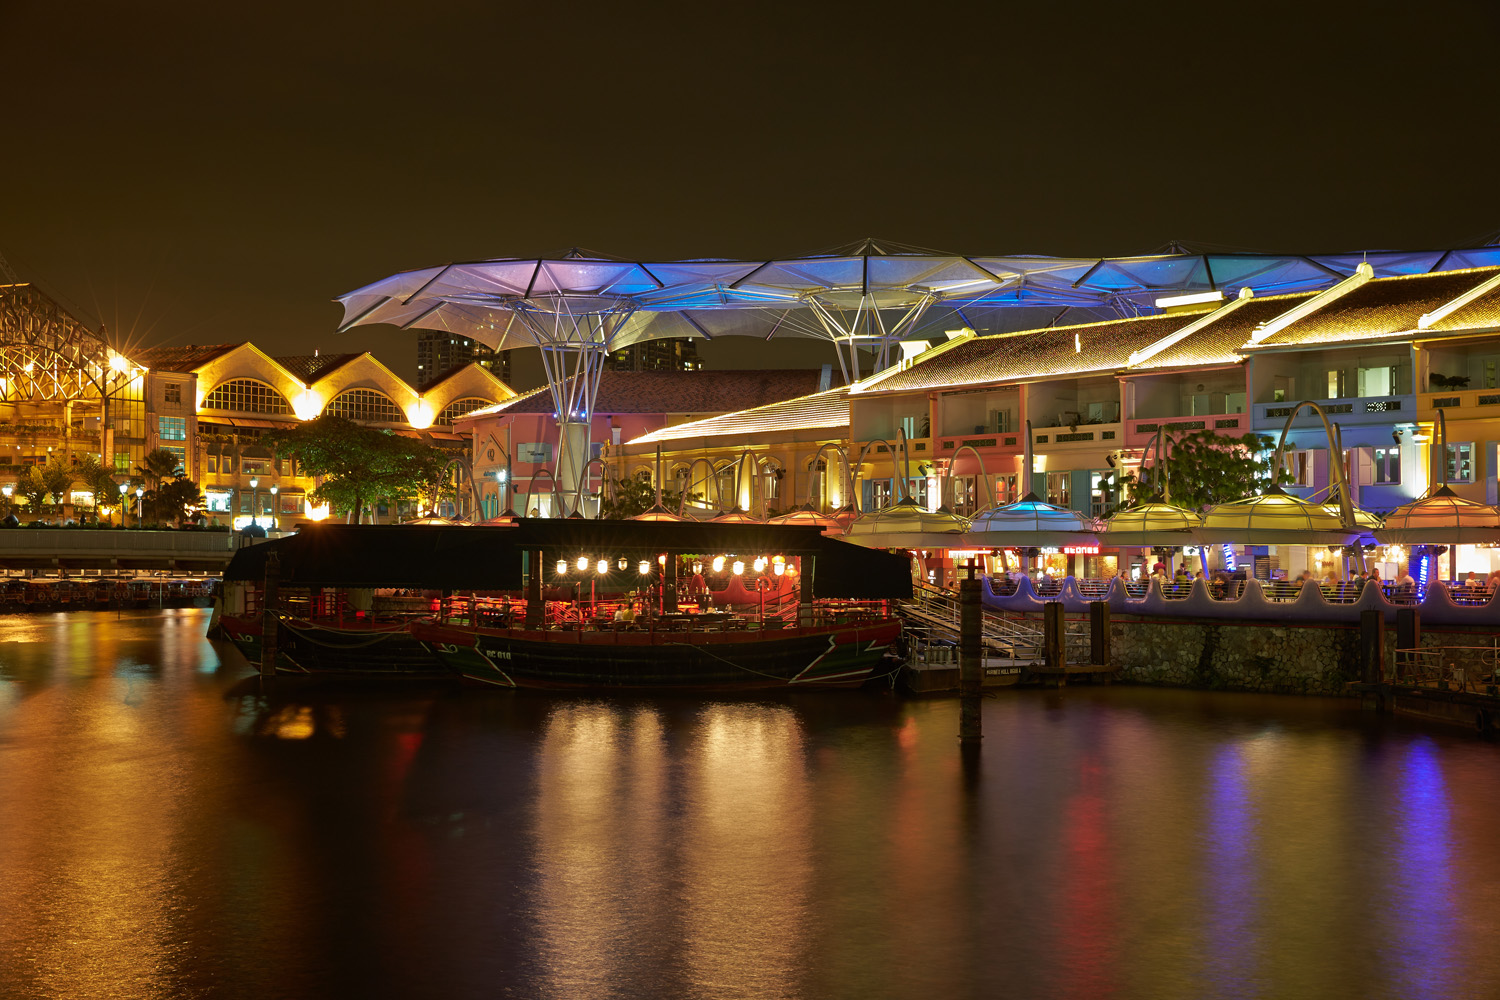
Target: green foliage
{"points": [[159, 465], [96, 479], [628, 497], [57, 477], [1205, 468], [361, 466], [31, 490], [174, 501]]}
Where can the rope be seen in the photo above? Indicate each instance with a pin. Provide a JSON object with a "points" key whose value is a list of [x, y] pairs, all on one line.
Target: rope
{"points": [[305, 632]]}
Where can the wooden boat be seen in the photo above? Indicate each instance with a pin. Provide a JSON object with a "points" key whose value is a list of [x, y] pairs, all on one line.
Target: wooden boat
{"points": [[328, 592]]}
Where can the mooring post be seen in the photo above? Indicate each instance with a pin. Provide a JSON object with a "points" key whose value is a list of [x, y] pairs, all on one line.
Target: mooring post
{"points": [[970, 659], [270, 625], [669, 584], [534, 589], [1054, 637], [1371, 646], [1099, 634], [1408, 636]]}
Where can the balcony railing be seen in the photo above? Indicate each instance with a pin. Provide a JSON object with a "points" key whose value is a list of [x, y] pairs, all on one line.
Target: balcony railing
{"points": [[1459, 399], [1108, 435], [1363, 409], [1228, 423]]}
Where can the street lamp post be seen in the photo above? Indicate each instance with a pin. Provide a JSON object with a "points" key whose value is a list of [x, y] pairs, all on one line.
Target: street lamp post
{"points": [[124, 488], [274, 491], [254, 501], [140, 507]]}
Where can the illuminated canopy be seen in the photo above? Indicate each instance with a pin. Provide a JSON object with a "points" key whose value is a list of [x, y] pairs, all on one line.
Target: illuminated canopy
{"points": [[1275, 518], [1151, 524], [1030, 522], [1444, 518]]}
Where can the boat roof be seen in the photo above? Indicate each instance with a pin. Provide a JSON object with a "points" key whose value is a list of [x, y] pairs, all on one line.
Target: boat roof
{"points": [[480, 557]]}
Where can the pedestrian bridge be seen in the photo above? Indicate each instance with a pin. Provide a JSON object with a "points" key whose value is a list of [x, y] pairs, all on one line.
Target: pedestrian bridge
{"points": [[119, 548]]}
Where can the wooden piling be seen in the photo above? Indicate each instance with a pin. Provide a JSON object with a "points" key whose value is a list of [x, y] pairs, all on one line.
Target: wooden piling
{"points": [[270, 624], [970, 661], [1371, 646], [1054, 638], [1099, 634], [1408, 636], [534, 589]]}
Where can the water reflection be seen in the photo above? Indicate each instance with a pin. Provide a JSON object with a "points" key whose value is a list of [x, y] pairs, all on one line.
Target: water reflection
{"points": [[174, 826]]}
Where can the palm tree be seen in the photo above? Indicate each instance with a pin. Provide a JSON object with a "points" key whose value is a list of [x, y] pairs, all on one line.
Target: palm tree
{"points": [[159, 464]]}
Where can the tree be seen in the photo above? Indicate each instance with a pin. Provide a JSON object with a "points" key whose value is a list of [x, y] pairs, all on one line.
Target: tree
{"points": [[157, 466], [31, 490], [57, 478], [359, 465], [629, 497], [174, 501], [97, 480], [1204, 468]]}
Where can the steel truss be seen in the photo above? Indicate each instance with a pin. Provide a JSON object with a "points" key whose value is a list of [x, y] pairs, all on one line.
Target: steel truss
{"points": [[866, 323], [575, 334], [48, 356]]}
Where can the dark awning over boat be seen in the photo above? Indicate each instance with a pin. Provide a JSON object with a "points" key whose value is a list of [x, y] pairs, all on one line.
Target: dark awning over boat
{"points": [[463, 557]]}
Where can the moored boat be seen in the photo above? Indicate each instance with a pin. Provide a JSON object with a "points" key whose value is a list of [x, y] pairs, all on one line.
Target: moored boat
{"points": [[569, 604]]}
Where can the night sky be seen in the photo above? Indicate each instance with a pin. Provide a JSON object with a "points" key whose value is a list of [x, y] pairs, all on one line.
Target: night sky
{"points": [[203, 173]]}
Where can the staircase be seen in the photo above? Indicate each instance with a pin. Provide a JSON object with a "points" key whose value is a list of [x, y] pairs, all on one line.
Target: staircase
{"points": [[930, 621]]}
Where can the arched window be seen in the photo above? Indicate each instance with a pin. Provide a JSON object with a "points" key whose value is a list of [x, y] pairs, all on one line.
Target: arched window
{"points": [[459, 407], [366, 404], [771, 485], [246, 395]]}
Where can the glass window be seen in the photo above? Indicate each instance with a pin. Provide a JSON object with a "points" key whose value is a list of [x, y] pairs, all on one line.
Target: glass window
{"points": [[254, 467], [172, 392], [1489, 374], [880, 493], [965, 501], [180, 453], [1377, 381], [171, 428], [1059, 489], [1298, 467], [366, 404], [1102, 486], [459, 407], [213, 463], [1388, 465], [1005, 490], [218, 501], [122, 461], [246, 396], [291, 504], [1335, 383], [1461, 462]]}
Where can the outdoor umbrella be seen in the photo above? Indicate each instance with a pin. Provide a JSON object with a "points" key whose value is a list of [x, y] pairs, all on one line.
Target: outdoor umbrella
{"points": [[808, 514], [1441, 518], [1151, 524]]}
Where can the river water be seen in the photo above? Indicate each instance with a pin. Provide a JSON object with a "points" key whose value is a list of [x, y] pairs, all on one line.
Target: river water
{"points": [[169, 829]]}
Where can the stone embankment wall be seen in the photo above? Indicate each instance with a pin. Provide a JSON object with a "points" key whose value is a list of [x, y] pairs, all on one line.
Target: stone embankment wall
{"points": [[1235, 656], [1258, 656]]}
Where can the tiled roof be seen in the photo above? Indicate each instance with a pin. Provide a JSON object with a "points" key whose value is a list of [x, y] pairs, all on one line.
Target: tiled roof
{"points": [[311, 367], [1061, 350], [1481, 314], [1218, 342], [1381, 307], [178, 359], [680, 392], [820, 411]]}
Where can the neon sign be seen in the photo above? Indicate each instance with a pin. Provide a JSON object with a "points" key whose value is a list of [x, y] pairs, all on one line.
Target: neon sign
{"points": [[1080, 550], [1229, 562]]}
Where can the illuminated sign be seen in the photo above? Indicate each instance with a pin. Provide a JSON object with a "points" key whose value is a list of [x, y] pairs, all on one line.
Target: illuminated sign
{"points": [[1081, 550], [1229, 563]]}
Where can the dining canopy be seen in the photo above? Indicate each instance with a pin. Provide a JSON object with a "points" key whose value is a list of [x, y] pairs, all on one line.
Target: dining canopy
{"points": [[1275, 518], [1030, 523], [907, 525], [1151, 524], [1443, 518]]}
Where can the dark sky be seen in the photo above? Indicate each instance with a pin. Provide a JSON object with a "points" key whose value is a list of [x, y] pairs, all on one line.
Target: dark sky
{"points": [[202, 173]]}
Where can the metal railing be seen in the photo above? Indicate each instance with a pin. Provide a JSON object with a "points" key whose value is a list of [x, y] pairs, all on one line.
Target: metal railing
{"points": [[931, 623], [1468, 669]]}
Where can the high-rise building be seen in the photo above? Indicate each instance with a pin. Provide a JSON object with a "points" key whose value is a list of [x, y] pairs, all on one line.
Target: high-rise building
{"points": [[677, 354], [439, 353]]}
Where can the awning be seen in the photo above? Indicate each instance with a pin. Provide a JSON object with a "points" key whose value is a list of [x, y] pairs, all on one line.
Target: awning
{"points": [[263, 424]]}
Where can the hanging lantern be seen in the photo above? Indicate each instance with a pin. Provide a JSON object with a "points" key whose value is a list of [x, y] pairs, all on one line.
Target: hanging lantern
{"points": [[778, 568], [760, 564], [583, 564], [698, 566], [603, 566], [623, 563], [718, 564], [562, 567], [738, 568], [644, 568]]}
